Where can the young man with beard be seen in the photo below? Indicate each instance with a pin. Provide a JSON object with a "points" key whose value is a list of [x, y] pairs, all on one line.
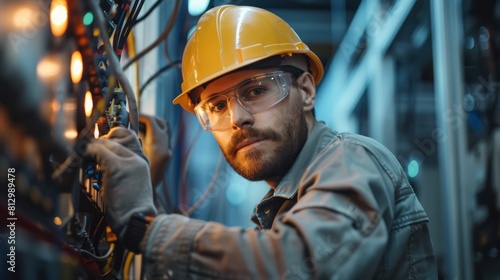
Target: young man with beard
{"points": [[339, 205]]}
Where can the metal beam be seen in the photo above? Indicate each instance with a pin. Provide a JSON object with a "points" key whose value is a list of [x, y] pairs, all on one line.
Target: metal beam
{"points": [[343, 87], [447, 33]]}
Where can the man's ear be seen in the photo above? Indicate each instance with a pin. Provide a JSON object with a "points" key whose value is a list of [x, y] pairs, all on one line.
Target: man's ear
{"points": [[307, 89]]}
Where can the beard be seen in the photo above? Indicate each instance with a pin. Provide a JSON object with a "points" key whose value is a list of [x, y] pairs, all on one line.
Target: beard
{"points": [[268, 165]]}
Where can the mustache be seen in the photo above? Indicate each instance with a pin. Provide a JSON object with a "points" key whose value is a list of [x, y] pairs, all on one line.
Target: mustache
{"points": [[241, 135]]}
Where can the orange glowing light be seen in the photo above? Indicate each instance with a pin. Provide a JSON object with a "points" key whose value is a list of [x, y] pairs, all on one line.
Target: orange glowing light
{"points": [[22, 18], [76, 67], [89, 104], [56, 106], [58, 17], [49, 68], [96, 131], [57, 221], [70, 134]]}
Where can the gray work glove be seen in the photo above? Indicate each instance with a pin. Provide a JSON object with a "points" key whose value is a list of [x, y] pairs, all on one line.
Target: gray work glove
{"points": [[126, 183]]}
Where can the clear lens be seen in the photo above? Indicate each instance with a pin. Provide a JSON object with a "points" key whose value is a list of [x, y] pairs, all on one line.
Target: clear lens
{"points": [[256, 94]]}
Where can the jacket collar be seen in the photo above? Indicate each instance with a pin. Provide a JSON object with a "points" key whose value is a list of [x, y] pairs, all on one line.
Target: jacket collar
{"points": [[317, 140]]}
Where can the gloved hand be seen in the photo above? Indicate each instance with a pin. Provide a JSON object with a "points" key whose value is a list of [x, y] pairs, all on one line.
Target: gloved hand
{"points": [[126, 183]]}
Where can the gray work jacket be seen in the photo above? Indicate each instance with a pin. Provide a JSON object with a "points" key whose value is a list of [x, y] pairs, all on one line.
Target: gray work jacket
{"points": [[345, 210]]}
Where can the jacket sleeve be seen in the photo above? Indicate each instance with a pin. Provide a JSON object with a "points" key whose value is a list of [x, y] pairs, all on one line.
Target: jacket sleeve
{"points": [[336, 230]]}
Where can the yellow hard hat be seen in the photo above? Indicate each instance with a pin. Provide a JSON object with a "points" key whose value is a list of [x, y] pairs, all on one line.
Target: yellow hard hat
{"points": [[229, 37]]}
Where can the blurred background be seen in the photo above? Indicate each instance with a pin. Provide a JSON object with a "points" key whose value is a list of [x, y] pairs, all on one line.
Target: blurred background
{"points": [[419, 76]]}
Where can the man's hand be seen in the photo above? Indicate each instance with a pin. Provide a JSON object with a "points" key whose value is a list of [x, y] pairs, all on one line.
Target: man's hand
{"points": [[126, 182]]}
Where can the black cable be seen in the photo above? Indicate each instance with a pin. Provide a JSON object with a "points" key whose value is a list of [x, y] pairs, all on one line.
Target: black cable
{"points": [[121, 20], [134, 13], [129, 13], [117, 71], [155, 75], [163, 35], [155, 5]]}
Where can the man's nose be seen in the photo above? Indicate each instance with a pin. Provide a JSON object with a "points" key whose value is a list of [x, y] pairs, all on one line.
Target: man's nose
{"points": [[239, 115]]}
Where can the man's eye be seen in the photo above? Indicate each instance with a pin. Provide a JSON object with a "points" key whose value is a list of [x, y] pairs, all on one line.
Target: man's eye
{"points": [[218, 107], [255, 93]]}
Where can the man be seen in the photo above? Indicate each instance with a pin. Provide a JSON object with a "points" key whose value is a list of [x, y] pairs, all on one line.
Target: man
{"points": [[339, 205]]}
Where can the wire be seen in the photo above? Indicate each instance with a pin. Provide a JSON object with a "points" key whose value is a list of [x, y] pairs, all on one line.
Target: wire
{"points": [[211, 185], [124, 17], [101, 220], [127, 264], [74, 159], [155, 75], [163, 35], [166, 44], [130, 24], [123, 9], [116, 67], [99, 258], [185, 162], [156, 4], [209, 189]]}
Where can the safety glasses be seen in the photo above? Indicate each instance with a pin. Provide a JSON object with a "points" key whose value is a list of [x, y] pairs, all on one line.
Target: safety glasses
{"points": [[255, 95]]}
